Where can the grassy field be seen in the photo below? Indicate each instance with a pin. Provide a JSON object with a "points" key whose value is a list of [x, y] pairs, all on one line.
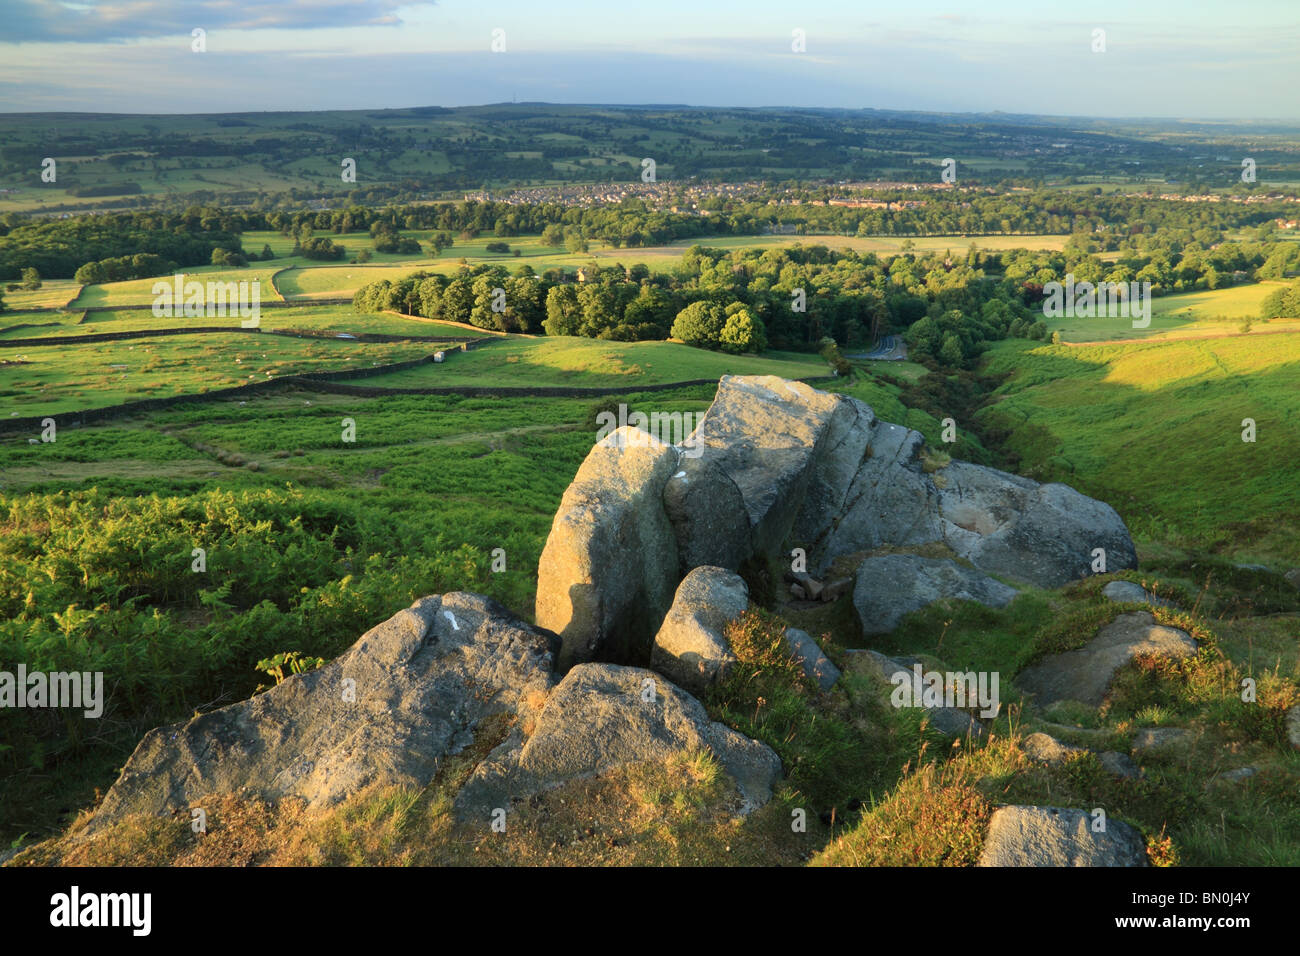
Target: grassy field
{"points": [[324, 318], [53, 294], [592, 363], [1211, 313], [49, 379], [140, 291], [1155, 429]]}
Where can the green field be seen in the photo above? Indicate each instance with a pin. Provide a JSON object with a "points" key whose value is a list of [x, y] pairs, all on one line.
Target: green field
{"points": [[1155, 430], [140, 291], [327, 318], [58, 378], [53, 294], [593, 363], [1213, 312]]}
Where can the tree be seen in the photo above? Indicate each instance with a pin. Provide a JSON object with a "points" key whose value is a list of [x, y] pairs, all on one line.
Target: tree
{"points": [[563, 314], [743, 333], [31, 279], [553, 236], [485, 297], [267, 254], [599, 309], [700, 324], [950, 351], [92, 273], [457, 301], [525, 303]]}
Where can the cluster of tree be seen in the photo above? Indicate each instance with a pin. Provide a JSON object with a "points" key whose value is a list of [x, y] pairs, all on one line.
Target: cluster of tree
{"points": [[119, 268], [732, 329], [486, 297], [742, 300], [953, 337], [388, 239], [1176, 263], [31, 281], [1105, 222], [59, 247], [319, 247]]}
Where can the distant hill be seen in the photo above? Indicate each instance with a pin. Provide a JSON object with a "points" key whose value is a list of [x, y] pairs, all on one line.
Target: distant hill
{"points": [[440, 152]]}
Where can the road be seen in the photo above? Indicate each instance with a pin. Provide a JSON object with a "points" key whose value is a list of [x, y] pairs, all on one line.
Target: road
{"points": [[889, 348]]}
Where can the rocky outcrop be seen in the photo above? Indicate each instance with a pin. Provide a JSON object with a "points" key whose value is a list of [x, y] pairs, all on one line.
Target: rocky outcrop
{"points": [[1085, 674], [416, 690], [605, 716], [609, 568], [691, 647], [856, 484], [408, 694], [777, 467], [892, 586], [1054, 836]]}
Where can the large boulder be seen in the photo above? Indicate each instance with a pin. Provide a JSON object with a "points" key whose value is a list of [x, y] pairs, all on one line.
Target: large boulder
{"points": [[890, 499], [708, 516], [891, 586], [1045, 535], [766, 433], [407, 694], [775, 465], [691, 647], [1085, 674], [607, 573], [1053, 836], [602, 717]]}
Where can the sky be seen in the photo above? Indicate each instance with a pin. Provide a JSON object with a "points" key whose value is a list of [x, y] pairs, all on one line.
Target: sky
{"points": [[1178, 59]]}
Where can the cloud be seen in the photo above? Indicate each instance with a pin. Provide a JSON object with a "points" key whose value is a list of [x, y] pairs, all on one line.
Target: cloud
{"points": [[96, 22]]}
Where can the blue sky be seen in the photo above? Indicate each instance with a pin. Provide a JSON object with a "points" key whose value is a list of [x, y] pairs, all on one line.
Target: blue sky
{"points": [[1190, 59]]}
